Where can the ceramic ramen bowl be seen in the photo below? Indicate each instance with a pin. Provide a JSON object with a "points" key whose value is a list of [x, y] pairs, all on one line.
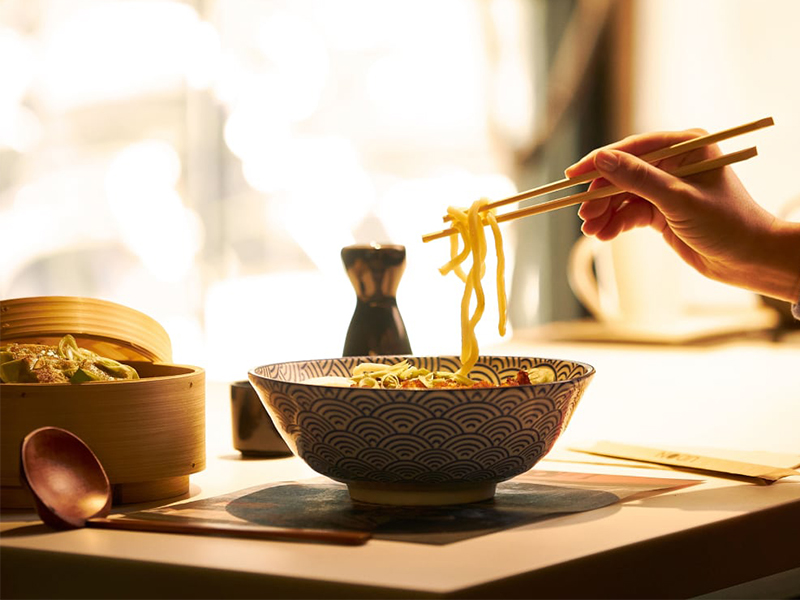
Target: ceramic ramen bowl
{"points": [[420, 447]]}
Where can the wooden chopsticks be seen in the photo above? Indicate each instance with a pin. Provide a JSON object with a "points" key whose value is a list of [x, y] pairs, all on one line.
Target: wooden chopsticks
{"points": [[604, 192], [683, 171]]}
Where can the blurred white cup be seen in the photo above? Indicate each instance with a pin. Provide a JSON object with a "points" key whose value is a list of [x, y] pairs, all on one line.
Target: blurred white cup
{"points": [[634, 280]]}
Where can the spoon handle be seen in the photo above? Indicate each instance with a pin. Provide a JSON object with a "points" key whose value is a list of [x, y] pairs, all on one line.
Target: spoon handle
{"points": [[348, 538]]}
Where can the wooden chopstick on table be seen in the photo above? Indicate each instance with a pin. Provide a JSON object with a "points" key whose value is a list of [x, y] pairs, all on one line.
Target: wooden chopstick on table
{"points": [[681, 148], [683, 171]]}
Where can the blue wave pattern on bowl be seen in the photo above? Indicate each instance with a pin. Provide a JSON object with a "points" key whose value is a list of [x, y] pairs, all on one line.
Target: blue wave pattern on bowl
{"points": [[421, 436]]}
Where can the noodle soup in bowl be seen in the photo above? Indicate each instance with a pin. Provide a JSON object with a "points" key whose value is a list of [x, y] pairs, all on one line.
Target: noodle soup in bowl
{"points": [[429, 446]]}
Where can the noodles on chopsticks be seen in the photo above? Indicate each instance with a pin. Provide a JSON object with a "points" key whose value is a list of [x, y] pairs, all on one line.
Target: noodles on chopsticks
{"points": [[470, 240]]}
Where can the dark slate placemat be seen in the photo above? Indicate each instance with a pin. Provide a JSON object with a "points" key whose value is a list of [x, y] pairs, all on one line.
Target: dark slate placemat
{"points": [[327, 505]]}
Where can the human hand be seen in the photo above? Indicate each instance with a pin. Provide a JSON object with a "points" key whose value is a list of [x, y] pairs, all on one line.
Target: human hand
{"points": [[709, 219]]}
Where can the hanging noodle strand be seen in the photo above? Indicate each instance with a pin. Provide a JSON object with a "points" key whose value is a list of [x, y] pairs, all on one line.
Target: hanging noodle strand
{"points": [[471, 238]]}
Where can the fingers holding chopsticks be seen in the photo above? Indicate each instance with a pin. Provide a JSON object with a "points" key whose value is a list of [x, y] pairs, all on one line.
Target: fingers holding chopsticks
{"points": [[596, 213], [638, 145], [607, 217], [703, 212], [696, 153], [649, 192], [621, 216]]}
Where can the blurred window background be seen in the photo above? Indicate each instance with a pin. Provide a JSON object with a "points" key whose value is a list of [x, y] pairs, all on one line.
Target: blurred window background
{"points": [[205, 162]]}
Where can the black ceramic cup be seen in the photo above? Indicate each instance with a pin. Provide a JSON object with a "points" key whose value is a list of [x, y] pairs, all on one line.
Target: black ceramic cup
{"points": [[254, 435]]}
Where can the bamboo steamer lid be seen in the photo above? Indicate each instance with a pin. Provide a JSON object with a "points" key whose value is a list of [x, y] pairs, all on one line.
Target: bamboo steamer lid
{"points": [[110, 329], [149, 433]]}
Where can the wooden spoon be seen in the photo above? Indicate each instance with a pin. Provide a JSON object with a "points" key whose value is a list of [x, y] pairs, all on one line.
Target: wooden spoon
{"points": [[71, 490]]}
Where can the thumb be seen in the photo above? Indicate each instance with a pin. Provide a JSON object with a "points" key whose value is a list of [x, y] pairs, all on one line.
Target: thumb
{"points": [[633, 175]]}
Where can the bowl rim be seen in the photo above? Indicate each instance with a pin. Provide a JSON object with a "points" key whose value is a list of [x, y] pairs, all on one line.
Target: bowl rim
{"points": [[590, 371]]}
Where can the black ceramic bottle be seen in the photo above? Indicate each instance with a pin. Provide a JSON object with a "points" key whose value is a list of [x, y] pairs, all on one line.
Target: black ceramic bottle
{"points": [[376, 327]]}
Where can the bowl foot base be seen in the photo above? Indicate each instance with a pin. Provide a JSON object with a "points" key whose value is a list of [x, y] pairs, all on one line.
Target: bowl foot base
{"points": [[420, 495]]}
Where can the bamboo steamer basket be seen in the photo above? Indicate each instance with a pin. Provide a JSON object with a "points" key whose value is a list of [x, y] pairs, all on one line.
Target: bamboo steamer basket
{"points": [[149, 433]]}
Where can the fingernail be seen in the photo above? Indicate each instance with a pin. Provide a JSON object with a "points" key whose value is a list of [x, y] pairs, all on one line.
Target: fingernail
{"points": [[607, 161], [570, 168]]}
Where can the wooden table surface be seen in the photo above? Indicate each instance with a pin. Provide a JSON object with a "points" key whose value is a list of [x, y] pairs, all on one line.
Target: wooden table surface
{"points": [[685, 543]]}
